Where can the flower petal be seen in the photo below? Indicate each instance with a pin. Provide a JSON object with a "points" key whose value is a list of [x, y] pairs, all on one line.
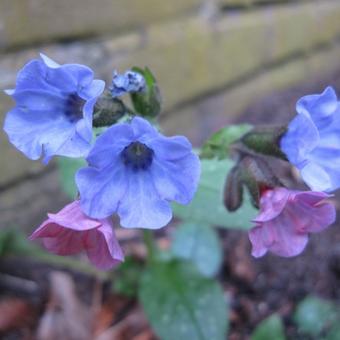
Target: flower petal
{"points": [[170, 148], [288, 242], [59, 240], [143, 130], [73, 146], [300, 139], [261, 239], [141, 206], [42, 101], [309, 214], [93, 90], [29, 133], [272, 203], [32, 77], [72, 217], [101, 190], [48, 61], [81, 74], [109, 145], [59, 77], [102, 247], [318, 106], [177, 180], [311, 198], [316, 177], [278, 236]]}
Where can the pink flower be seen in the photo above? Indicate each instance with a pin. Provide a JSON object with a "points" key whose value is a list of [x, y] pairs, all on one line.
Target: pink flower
{"points": [[70, 232], [285, 219]]}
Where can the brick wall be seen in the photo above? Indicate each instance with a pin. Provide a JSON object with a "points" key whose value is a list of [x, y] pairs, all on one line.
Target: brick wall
{"points": [[229, 52]]}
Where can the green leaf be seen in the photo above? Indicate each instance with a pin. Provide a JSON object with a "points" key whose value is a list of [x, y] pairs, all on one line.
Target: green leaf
{"points": [[182, 305], [147, 103], [333, 334], [218, 145], [14, 241], [127, 276], [199, 244], [269, 329], [314, 315], [207, 206], [7, 241], [67, 170]]}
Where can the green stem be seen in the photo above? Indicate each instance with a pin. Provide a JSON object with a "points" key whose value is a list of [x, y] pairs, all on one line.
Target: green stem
{"points": [[71, 264], [150, 244], [66, 262]]}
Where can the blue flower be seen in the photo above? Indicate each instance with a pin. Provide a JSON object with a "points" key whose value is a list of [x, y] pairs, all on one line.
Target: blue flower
{"points": [[312, 142], [128, 82], [54, 107], [135, 171]]}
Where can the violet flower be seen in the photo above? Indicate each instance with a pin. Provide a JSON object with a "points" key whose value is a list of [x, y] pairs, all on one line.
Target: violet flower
{"points": [[54, 108], [135, 171], [286, 218], [70, 232], [312, 142]]}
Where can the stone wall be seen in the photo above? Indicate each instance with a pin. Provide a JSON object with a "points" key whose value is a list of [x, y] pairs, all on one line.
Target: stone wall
{"points": [[212, 58]]}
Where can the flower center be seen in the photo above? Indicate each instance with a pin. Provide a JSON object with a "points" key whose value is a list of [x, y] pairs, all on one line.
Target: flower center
{"points": [[137, 156], [74, 107]]}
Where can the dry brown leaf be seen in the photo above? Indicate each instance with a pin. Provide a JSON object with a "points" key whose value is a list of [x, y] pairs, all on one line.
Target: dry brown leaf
{"points": [[15, 313], [109, 312], [240, 260], [133, 325], [66, 317]]}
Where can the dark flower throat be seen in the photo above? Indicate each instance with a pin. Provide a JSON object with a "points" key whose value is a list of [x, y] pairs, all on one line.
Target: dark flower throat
{"points": [[137, 156], [74, 107]]}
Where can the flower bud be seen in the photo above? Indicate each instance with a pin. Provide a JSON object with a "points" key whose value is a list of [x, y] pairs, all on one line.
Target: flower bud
{"points": [[108, 111], [265, 140], [128, 82], [148, 102], [257, 176], [233, 190]]}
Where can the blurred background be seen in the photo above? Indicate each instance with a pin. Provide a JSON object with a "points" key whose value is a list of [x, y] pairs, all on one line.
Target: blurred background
{"points": [[216, 62]]}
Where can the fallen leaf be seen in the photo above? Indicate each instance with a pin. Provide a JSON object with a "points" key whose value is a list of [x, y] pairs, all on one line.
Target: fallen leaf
{"points": [[15, 313], [66, 317]]}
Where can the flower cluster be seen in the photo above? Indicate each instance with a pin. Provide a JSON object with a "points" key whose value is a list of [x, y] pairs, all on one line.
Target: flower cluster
{"points": [[312, 144], [133, 170]]}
